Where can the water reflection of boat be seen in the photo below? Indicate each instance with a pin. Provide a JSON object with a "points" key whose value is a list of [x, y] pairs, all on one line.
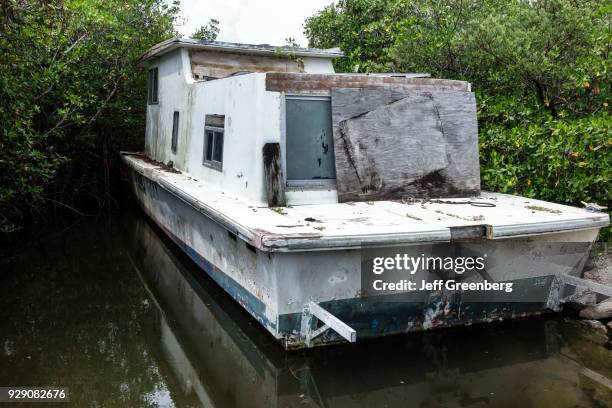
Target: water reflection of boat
{"points": [[221, 357]]}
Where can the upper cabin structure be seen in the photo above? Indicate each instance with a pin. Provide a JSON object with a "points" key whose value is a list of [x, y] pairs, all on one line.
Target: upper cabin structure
{"points": [[276, 126]]}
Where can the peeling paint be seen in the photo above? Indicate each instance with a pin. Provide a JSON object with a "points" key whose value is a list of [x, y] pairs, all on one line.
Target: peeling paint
{"points": [[541, 208]]}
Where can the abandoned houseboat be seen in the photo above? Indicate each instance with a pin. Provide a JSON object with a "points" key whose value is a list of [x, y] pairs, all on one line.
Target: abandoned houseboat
{"points": [[285, 181]]}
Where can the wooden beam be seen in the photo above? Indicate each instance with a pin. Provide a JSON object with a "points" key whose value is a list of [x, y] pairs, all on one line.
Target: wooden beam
{"points": [[309, 83], [329, 320], [275, 185]]}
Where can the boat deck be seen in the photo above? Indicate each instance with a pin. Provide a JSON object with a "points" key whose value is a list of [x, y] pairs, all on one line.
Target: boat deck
{"points": [[364, 224]]}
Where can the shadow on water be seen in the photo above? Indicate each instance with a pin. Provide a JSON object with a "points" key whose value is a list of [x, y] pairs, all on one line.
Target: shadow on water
{"points": [[117, 313]]}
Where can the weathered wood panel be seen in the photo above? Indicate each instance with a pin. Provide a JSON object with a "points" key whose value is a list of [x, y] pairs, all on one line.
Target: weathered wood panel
{"points": [[297, 82], [385, 153], [221, 64], [215, 121], [393, 143], [275, 187]]}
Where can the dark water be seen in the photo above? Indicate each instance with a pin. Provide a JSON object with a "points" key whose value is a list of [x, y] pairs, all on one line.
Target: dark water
{"points": [[114, 311]]}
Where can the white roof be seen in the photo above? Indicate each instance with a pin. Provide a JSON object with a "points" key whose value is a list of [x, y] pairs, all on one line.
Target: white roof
{"points": [[257, 49]]}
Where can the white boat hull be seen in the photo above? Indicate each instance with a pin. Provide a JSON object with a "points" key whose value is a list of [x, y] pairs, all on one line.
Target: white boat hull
{"points": [[274, 286]]}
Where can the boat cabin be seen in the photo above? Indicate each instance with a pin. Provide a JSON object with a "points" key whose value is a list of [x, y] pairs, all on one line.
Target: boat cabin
{"points": [[276, 126]]}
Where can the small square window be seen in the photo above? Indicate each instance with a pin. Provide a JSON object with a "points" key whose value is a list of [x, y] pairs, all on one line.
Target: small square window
{"points": [[152, 86], [175, 127], [213, 141]]}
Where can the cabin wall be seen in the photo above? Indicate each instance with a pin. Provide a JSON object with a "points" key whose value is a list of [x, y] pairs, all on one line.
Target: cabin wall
{"points": [[219, 64], [159, 116], [318, 65], [252, 118]]}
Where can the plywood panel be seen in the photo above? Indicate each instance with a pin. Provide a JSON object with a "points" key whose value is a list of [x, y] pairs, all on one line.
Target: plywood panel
{"points": [[221, 64], [393, 143]]}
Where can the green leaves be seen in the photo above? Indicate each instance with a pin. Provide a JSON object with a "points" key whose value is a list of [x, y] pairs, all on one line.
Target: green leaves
{"points": [[71, 93], [560, 160], [364, 29], [207, 32]]}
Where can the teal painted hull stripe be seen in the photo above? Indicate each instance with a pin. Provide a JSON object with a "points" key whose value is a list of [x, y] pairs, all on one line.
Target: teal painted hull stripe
{"points": [[247, 300]]}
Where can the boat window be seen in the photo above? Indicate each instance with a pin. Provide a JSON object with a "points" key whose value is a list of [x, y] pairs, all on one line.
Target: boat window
{"points": [[152, 85], [175, 127], [213, 141], [309, 144]]}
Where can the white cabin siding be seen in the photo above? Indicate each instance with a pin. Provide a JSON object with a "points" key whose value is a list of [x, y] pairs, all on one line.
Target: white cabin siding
{"points": [[318, 66], [252, 118]]}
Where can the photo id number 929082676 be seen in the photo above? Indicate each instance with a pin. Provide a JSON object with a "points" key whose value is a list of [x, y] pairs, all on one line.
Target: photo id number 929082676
{"points": [[34, 394]]}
